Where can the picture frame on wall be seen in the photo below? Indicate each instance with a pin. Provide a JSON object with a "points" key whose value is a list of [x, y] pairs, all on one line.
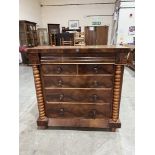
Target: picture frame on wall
{"points": [[73, 24]]}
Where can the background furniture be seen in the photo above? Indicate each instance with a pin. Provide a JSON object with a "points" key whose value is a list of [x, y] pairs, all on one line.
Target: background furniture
{"points": [[96, 35], [65, 38], [66, 43], [27, 37], [42, 36], [131, 63], [78, 87], [53, 30], [79, 39], [67, 29], [27, 33]]}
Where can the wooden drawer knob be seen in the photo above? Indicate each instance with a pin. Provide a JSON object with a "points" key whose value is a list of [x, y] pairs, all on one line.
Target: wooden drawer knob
{"points": [[95, 69], [60, 82], [61, 97], [59, 70], [95, 97], [95, 83], [61, 111]]}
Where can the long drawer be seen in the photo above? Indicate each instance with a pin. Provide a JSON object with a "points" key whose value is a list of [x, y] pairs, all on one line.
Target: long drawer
{"points": [[76, 110], [78, 81], [103, 95]]}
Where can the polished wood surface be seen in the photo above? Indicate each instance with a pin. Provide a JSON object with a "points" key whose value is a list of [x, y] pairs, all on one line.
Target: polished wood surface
{"points": [[86, 81], [79, 95], [59, 69], [78, 86], [56, 110], [102, 47]]}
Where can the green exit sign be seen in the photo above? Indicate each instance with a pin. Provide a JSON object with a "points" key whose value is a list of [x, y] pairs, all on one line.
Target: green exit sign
{"points": [[96, 23]]}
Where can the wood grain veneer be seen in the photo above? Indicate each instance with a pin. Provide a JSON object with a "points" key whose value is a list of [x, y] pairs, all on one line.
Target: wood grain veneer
{"points": [[79, 86]]}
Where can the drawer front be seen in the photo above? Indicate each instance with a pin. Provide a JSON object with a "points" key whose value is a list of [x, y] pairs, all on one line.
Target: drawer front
{"points": [[78, 56], [78, 81], [79, 95], [59, 69], [96, 69], [76, 110]]}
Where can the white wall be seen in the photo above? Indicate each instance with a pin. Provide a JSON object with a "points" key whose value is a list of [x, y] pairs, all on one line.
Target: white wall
{"points": [[30, 10], [125, 21], [61, 14]]}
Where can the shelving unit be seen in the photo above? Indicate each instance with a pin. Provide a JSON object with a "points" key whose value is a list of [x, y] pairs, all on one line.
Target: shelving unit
{"points": [[27, 37], [27, 33]]}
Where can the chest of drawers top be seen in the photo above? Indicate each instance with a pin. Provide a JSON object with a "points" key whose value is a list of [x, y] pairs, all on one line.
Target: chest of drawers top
{"points": [[81, 47], [75, 54]]}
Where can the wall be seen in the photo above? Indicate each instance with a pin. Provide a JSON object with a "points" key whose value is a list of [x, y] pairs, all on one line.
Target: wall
{"points": [[61, 14], [125, 21], [30, 10]]}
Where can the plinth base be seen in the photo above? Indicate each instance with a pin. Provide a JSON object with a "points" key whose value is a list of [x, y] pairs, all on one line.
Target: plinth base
{"points": [[94, 124]]}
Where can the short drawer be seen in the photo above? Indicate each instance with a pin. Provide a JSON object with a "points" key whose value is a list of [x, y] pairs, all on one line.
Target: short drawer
{"points": [[96, 69], [79, 95], [78, 81], [76, 110], [59, 69]]}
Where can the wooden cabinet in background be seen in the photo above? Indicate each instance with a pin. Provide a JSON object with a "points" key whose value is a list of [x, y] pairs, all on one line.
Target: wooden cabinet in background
{"points": [[96, 35], [53, 30], [27, 33], [27, 37]]}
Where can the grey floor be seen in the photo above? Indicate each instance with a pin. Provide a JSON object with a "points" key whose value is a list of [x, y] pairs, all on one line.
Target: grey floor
{"points": [[73, 142]]}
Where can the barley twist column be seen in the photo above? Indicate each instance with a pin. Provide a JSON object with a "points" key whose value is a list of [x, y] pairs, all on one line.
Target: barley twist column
{"points": [[39, 93], [117, 92]]}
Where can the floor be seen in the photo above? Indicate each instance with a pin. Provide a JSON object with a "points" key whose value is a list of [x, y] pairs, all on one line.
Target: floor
{"points": [[74, 142]]}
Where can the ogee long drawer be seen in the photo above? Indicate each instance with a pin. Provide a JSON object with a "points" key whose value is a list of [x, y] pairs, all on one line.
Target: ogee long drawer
{"points": [[78, 81], [101, 95], [78, 110]]}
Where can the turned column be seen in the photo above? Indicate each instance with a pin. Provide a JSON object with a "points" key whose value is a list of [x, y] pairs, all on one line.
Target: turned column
{"points": [[117, 92], [39, 92]]}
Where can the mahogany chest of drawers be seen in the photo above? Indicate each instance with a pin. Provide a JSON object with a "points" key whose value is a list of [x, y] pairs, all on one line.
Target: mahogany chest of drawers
{"points": [[78, 86]]}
